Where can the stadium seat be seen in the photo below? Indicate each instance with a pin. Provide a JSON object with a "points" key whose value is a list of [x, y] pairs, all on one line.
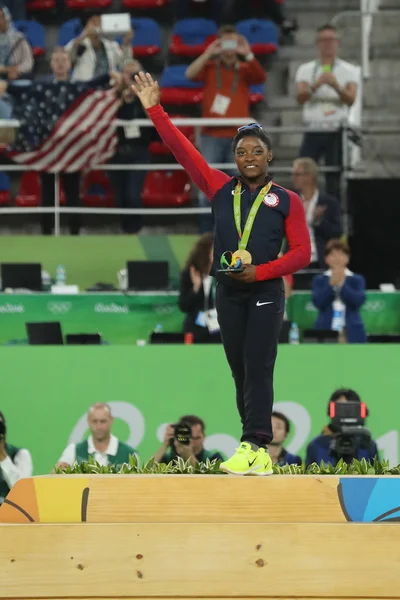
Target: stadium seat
{"points": [[257, 93], [30, 191], [69, 31], [38, 5], [97, 190], [261, 34], [190, 37], [35, 34], [176, 89], [4, 189], [88, 4], [144, 4], [147, 38], [166, 189], [159, 148]]}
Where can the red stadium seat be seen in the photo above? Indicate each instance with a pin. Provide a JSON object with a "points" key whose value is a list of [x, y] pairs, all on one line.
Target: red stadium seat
{"points": [[36, 5], [4, 197], [190, 37], [97, 190], [160, 149], [88, 4], [166, 189], [144, 4], [30, 191]]}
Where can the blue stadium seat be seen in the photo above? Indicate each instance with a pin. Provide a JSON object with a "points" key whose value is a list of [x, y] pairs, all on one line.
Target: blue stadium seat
{"points": [[176, 89], [190, 37], [261, 34], [68, 31], [147, 39], [35, 34], [257, 93]]}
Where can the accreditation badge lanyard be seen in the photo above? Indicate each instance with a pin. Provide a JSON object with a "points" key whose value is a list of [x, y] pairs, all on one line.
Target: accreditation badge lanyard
{"points": [[244, 237]]}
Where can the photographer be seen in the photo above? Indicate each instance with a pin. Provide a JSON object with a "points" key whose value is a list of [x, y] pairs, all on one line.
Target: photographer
{"points": [[281, 429], [190, 430], [15, 463], [322, 448], [228, 68]]}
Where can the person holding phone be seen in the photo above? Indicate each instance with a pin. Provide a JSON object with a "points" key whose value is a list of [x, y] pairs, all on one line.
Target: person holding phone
{"points": [[228, 68], [252, 215], [326, 88]]}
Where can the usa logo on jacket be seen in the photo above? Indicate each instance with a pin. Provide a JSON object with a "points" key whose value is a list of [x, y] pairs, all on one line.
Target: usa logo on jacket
{"points": [[271, 200]]}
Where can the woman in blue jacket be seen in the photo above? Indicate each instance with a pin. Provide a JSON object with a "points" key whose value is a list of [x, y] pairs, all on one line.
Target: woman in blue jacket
{"points": [[338, 294]]}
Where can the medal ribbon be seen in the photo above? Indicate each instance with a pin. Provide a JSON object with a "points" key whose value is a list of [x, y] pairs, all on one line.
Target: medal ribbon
{"points": [[244, 237]]}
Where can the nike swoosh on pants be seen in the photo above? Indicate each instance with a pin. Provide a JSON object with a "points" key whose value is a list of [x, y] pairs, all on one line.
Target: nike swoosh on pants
{"points": [[262, 303]]}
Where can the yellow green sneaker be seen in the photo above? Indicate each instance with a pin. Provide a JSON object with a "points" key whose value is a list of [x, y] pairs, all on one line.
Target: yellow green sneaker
{"points": [[247, 461]]}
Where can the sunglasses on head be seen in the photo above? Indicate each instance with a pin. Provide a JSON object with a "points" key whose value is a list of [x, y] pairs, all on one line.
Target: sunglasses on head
{"points": [[250, 126]]}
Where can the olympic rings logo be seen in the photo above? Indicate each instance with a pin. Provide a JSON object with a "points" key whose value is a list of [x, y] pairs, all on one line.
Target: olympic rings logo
{"points": [[59, 308]]}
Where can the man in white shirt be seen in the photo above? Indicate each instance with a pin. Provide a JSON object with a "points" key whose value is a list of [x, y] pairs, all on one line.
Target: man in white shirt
{"points": [[101, 445], [326, 88], [15, 463], [93, 55]]}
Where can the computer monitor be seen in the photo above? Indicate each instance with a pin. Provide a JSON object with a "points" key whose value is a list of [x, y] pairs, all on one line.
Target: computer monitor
{"points": [[384, 338], [146, 275], [83, 339], [165, 337], [320, 336], [48, 333], [21, 275], [302, 280]]}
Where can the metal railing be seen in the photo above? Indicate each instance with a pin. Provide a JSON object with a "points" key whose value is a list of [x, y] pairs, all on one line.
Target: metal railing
{"points": [[197, 123]]}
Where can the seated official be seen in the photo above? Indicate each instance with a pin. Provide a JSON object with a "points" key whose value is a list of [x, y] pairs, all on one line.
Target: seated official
{"points": [[338, 294], [196, 295], [320, 448], [101, 445], [194, 451], [15, 463], [280, 430]]}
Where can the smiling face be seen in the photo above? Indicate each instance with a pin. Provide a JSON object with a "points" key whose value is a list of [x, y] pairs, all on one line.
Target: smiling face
{"points": [[252, 157]]}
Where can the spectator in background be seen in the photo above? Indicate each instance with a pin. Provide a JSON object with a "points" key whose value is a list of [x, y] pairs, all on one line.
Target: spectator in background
{"points": [[227, 67], [16, 58], [197, 296], [326, 87], [338, 294], [320, 447], [60, 65], [101, 444], [93, 55], [280, 430], [15, 463], [17, 8], [322, 211], [132, 148], [195, 451]]}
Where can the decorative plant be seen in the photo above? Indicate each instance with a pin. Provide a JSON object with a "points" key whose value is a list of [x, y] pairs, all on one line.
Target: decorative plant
{"points": [[180, 467]]}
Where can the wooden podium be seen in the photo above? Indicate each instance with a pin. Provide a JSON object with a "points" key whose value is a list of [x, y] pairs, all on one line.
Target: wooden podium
{"points": [[207, 536]]}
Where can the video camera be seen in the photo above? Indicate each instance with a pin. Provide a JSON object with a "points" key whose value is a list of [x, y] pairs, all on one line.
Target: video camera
{"points": [[182, 433], [347, 422]]}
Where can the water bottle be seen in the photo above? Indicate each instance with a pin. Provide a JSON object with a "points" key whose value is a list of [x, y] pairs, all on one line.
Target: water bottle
{"points": [[158, 328], [61, 275], [294, 334]]}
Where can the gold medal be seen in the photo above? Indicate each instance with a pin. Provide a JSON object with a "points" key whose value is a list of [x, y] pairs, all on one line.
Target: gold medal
{"points": [[244, 256]]}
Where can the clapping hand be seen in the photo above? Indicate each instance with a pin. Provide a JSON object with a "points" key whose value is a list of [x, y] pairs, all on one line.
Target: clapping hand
{"points": [[147, 90], [328, 79]]}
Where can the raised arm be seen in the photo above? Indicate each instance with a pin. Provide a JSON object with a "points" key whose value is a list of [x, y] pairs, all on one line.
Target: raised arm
{"points": [[207, 179]]}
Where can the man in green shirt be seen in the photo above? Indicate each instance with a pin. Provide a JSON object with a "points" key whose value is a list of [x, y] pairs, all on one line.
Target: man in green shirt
{"points": [[194, 451], [101, 445]]}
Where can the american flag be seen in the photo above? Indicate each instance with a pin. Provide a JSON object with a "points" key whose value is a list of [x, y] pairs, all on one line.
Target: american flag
{"points": [[64, 126]]}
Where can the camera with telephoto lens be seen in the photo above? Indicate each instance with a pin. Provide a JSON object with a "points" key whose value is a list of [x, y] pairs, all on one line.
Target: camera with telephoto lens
{"points": [[182, 433], [347, 423], [2, 430]]}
